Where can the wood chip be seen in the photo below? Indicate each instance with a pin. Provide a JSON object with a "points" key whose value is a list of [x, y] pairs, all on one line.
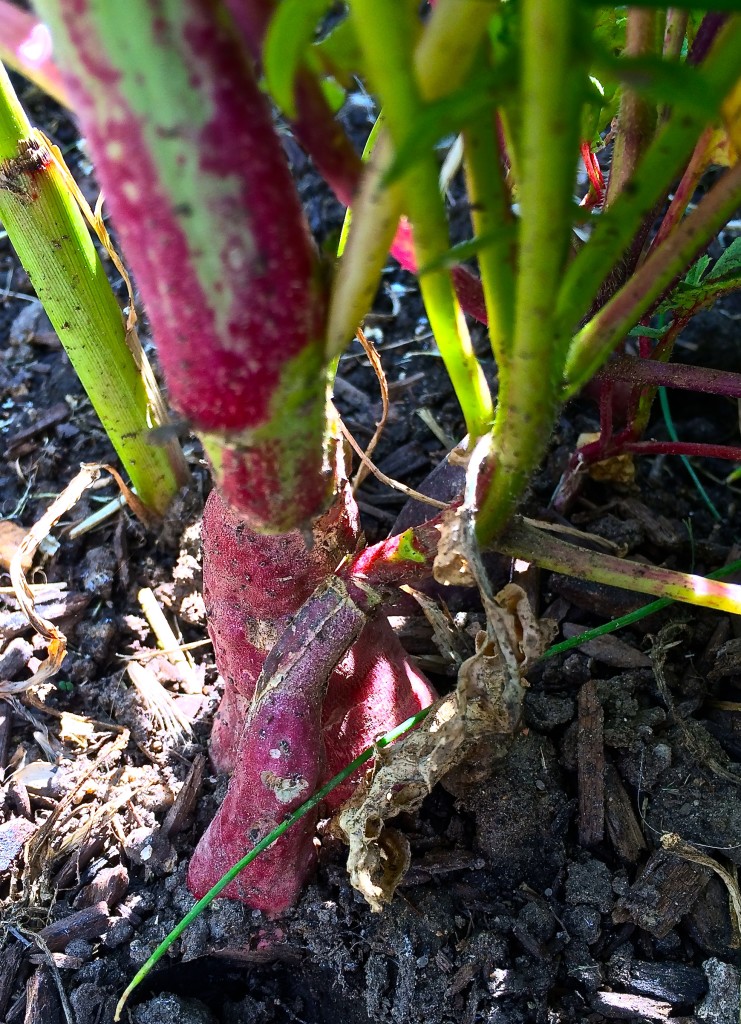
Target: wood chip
{"points": [[14, 658], [14, 834], [89, 923], [42, 999], [591, 766], [11, 535], [608, 650], [623, 826], [596, 598], [672, 982], [91, 847], [67, 606], [46, 420], [625, 1006], [665, 891], [6, 725], [109, 886], [11, 958]]}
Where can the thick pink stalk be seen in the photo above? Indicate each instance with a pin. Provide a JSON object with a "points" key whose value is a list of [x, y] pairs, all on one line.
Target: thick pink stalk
{"points": [[212, 227], [316, 704], [253, 584]]}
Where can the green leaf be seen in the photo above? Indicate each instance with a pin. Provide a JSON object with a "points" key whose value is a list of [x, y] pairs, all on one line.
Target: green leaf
{"points": [[290, 33], [665, 82], [728, 263], [695, 274], [647, 332], [450, 115]]}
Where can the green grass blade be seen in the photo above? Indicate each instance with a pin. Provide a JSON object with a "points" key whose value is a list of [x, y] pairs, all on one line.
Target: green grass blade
{"points": [[666, 411]]}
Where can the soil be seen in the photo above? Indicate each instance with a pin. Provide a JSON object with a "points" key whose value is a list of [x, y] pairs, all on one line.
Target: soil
{"points": [[542, 893]]}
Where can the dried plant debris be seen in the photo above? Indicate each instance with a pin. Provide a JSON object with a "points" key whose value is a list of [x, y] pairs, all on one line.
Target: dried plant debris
{"points": [[480, 718]]}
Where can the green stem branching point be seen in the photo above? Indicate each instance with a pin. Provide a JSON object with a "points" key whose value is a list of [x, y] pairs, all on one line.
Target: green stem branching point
{"points": [[49, 233]]}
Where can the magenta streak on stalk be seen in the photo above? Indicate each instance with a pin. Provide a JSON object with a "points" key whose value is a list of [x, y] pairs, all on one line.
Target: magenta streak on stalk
{"points": [[274, 306]]}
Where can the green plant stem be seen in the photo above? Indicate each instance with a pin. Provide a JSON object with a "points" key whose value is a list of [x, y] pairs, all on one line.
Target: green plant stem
{"points": [[674, 32], [522, 540], [442, 59], [52, 240], [593, 344], [525, 412], [386, 31], [630, 617], [491, 216], [664, 159], [260, 847]]}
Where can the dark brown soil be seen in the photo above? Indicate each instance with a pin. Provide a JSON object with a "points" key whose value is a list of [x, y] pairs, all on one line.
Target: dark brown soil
{"points": [[541, 894]]}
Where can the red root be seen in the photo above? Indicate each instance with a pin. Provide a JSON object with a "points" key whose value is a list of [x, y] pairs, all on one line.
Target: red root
{"points": [[313, 709]]}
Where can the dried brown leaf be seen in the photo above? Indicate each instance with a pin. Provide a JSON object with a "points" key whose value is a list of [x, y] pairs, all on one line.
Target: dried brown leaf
{"points": [[484, 709]]}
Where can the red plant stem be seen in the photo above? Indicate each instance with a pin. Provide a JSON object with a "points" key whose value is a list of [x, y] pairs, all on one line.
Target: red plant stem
{"points": [[26, 46], [710, 25], [606, 392], [596, 194], [688, 448], [212, 226], [651, 373], [686, 189]]}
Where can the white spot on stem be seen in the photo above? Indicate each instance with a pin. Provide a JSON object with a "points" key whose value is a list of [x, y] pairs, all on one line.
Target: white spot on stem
{"points": [[285, 789]]}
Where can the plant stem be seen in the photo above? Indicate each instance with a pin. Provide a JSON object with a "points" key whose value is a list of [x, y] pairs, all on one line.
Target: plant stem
{"points": [[663, 160], [442, 59], [25, 46], [367, 755], [552, 84], [593, 344], [651, 373], [637, 115], [300, 812], [491, 216], [228, 270], [630, 617], [674, 32], [386, 31], [547, 551], [52, 240]]}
